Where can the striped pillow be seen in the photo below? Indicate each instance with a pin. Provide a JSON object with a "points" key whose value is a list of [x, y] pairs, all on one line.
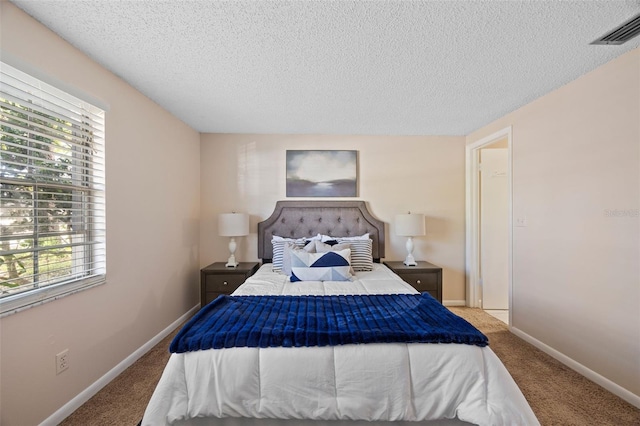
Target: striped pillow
{"points": [[361, 253], [328, 266]]}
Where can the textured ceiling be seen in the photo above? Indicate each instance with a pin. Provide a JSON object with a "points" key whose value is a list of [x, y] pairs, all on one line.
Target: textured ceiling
{"points": [[340, 67]]}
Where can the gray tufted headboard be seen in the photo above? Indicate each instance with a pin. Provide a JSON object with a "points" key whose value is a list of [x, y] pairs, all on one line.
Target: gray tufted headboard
{"points": [[297, 219]]}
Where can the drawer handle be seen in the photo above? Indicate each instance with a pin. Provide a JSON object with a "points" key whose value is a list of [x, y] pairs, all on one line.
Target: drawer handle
{"points": [[224, 283], [418, 282]]}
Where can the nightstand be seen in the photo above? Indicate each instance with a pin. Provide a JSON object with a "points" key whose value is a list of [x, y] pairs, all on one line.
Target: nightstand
{"points": [[425, 277], [217, 279]]}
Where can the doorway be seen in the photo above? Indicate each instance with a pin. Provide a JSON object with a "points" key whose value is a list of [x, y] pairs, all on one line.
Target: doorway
{"points": [[489, 224]]}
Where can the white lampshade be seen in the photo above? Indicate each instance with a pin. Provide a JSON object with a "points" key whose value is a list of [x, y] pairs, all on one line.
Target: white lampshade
{"points": [[233, 224], [410, 225]]}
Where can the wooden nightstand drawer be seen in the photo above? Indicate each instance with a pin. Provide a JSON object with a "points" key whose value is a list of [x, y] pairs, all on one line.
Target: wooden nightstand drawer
{"points": [[424, 277], [422, 281], [223, 283], [217, 279]]}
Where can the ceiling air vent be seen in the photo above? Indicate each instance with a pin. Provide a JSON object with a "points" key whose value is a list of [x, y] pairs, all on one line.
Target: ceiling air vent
{"points": [[622, 34]]}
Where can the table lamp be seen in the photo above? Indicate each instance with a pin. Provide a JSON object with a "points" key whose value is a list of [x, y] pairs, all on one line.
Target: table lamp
{"points": [[410, 225], [233, 225]]}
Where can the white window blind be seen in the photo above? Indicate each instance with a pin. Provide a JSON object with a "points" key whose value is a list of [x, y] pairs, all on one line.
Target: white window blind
{"points": [[52, 183]]}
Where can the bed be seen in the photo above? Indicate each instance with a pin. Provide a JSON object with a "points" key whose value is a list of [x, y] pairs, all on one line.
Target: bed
{"points": [[344, 383]]}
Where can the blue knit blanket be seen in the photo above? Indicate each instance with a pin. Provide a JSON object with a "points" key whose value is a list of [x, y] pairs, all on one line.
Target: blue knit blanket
{"points": [[294, 321]]}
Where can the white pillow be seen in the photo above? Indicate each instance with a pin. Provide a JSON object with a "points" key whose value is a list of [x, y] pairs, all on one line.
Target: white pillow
{"points": [[325, 238]]}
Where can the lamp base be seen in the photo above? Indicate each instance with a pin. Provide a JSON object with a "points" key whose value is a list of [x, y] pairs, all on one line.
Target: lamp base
{"points": [[231, 263], [410, 261]]}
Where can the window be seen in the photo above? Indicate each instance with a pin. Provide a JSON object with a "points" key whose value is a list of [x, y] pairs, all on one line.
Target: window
{"points": [[52, 207]]}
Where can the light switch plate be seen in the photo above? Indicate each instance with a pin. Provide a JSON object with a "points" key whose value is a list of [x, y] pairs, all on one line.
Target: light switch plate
{"points": [[521, 222]]}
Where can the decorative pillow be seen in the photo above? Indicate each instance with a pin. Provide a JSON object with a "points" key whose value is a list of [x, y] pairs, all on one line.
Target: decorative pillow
{"points": [[309, 247], [361, 253], [329, 266], [332, 245], [278, 244]]}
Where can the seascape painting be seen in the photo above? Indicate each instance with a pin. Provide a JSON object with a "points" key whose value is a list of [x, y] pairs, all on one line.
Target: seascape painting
{"points": [[312, 173]]}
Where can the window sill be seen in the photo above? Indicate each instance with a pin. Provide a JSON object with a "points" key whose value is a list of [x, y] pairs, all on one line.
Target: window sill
{"points": [[13, 304]]}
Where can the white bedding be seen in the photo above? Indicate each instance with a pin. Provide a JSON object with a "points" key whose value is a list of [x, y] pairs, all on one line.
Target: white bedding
{"points": [[373, 382]]}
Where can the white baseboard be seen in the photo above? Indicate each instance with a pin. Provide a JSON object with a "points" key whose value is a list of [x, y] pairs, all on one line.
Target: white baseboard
{"points": [[71, 406], [454, 302], [612, 387]]}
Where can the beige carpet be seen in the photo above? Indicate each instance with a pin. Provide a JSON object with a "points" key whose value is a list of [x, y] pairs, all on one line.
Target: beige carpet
{"points": [[557, 394]]}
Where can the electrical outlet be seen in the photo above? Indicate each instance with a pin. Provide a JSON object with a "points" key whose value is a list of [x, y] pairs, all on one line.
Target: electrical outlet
{"points": [[62, 361]]}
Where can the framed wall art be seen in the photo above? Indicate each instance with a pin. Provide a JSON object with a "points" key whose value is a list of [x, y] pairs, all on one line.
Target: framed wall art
{"points": [[315, 173]]}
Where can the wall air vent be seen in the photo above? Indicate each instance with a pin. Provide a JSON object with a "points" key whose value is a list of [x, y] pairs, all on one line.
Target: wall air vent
{"points": [[622, 34]]}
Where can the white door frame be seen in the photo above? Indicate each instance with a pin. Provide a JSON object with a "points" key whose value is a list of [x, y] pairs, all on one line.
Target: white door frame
{"points": [[473, 288]]}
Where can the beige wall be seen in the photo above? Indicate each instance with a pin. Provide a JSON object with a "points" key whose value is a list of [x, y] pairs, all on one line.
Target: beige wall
{"points": [[575, 157], [576, 279], [152, 195], [396, 174]]}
